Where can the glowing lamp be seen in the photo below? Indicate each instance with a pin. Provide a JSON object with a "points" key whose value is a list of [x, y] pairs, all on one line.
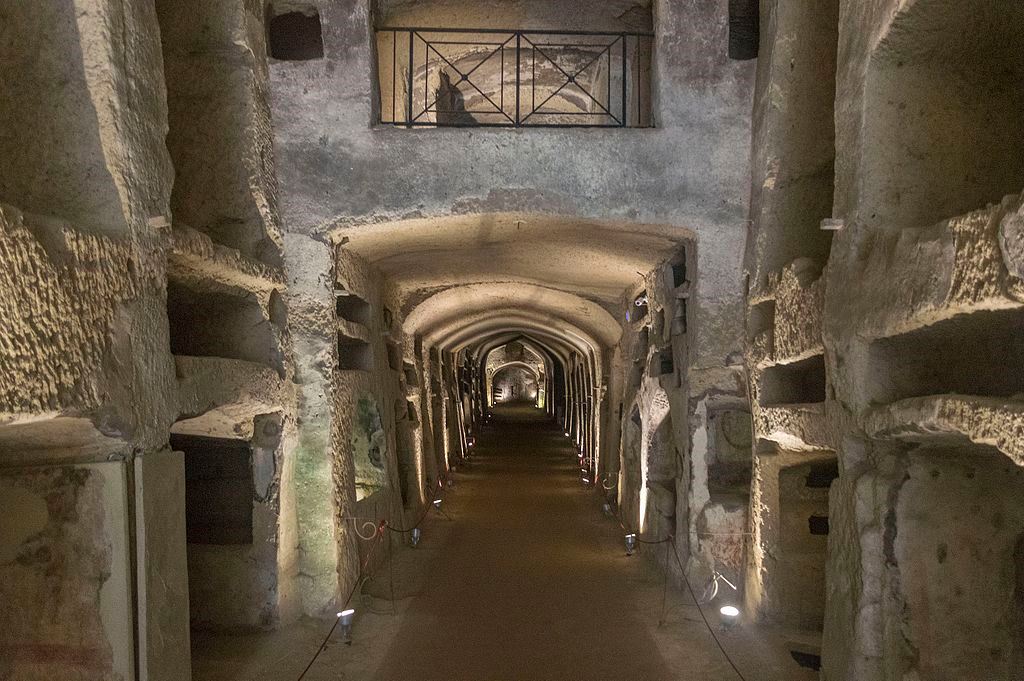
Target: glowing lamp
{"points": [[437, 503], [730, 615], [630, 543], [345, 618], [414, 536]]}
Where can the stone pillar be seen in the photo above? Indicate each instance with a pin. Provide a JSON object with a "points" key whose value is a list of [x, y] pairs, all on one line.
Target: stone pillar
{"points": [[310, 266]]}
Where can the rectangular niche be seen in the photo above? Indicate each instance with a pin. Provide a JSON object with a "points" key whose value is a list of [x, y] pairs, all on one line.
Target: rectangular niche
{"points": [[679, 319], [411, 379], [760, 318], [802, 541], [394, 356], [637, 310], [294, 32], [800, 382], [729, 442], [971, 354], [662, 364], [679, 274], [215, 323], [354, 355], [940, 140], [219, 489], [352, 308], [822, 475]]}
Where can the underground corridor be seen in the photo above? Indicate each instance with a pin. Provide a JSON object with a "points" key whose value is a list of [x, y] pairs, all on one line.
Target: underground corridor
{"points": [[517, 564], [511, 340]]}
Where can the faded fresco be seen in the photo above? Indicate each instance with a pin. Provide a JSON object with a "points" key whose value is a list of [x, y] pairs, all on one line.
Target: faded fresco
{"points": [[58, 546], [369, 448]]}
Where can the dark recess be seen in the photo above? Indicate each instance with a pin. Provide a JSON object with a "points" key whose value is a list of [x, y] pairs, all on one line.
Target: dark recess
{"points": [[744, 29], [807, 660], [679, 274], [822, 475], [296, 35], [354, 355], [219, 489], [818, 524]]}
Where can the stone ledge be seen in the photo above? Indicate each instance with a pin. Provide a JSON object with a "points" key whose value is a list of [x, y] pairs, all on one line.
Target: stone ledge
{"points": [[799, 310], [795, 427], [195, 258], [918, 276], [220, 397], [943, 418], [354, 330]]}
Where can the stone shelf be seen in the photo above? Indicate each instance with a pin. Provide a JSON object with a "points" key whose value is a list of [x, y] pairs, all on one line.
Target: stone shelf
{"points": [[195, 259], [794, 427], [915, 277], [353, 330], [952, 419], [220, 397], [786, 321], [55, 439]]}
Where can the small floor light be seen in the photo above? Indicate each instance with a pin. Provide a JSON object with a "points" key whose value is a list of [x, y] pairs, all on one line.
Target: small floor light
{"points": [[345, 622], [630, 543], [606, 508], [730, 615], [437, 503], [414, 536]]}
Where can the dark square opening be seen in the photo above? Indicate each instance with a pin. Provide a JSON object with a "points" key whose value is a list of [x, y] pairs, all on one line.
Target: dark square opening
{"points": [[352, 308], [219, 489], [800, 382], [354, 355], [296, 34]]}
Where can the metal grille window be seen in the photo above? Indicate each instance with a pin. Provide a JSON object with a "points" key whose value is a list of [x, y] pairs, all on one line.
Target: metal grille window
{"points": [[484, 77]]}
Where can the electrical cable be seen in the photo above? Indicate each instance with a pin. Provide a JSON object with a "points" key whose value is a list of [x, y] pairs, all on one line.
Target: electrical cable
{"points": [[682, 571], [378, 535], [352, 593], [426, 510], [391, 575], [642, 541], [700, 610], [367, 523], [664, 591]]}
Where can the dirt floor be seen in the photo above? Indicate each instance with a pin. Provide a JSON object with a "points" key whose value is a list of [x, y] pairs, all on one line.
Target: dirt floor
{"points": [[521, 578]]}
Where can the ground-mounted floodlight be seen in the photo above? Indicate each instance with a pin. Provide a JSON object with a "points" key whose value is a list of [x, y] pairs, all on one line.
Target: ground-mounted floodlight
{"points": [[414, 536], [630, 543], [345, 618], [606, 508], [730, 616], [437, 503]]}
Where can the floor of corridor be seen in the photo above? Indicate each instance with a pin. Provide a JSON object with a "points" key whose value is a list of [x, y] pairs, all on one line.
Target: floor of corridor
{"points": [[521, 577]]}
